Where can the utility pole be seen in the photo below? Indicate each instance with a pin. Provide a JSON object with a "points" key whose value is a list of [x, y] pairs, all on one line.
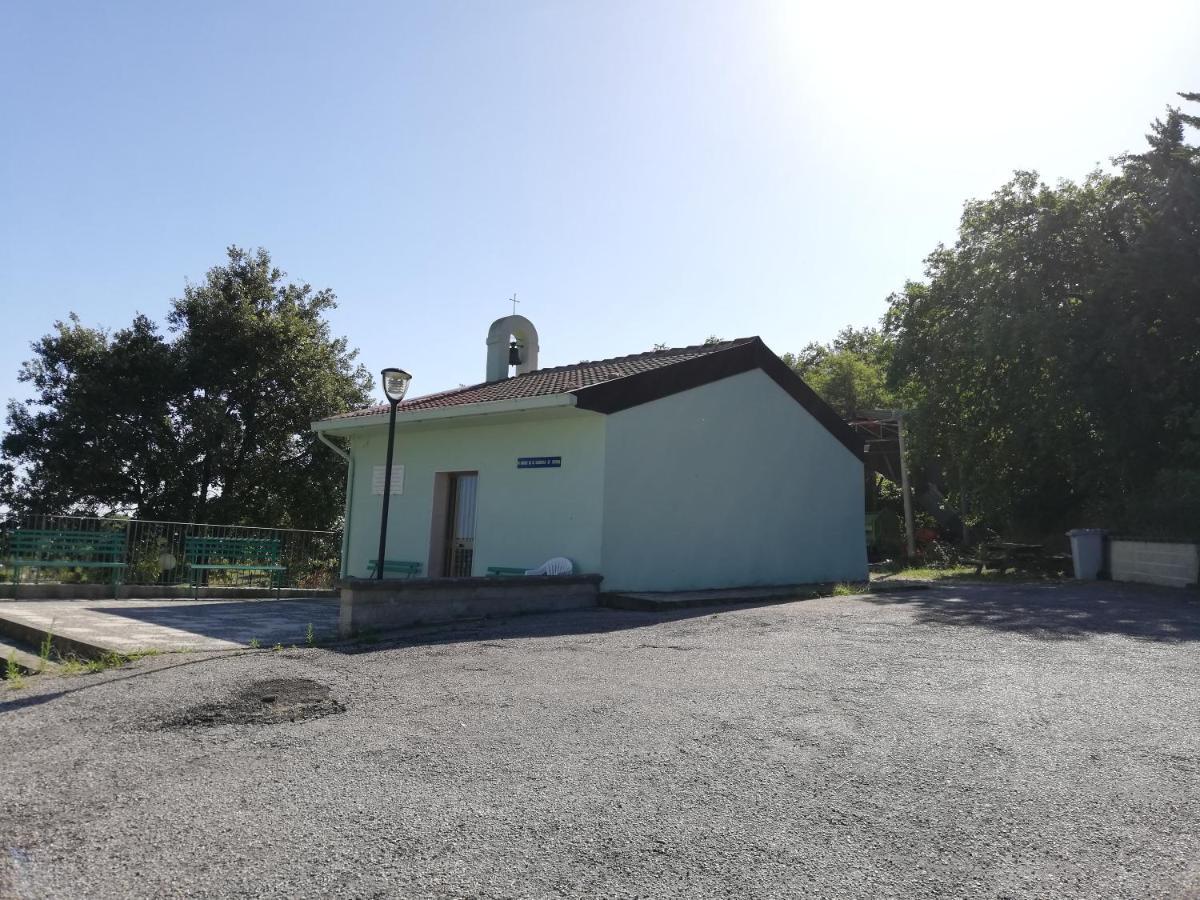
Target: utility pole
{"points": [[910, 541]]}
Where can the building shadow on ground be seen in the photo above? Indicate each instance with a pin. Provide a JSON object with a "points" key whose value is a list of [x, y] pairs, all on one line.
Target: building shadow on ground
{"points": [[1058, 612], [118, 675], [238, 621], [1053, 612], [565, 623], [287, 621], [568, 623]]}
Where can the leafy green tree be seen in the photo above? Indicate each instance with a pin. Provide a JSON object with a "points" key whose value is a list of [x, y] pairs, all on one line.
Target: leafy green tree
{"points": [[98, 432], [850, 372], [261, 365], [1053, 352], [212, 425]]}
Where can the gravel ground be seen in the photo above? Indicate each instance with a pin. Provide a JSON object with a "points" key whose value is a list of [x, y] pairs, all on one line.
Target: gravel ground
{"points": [[993, 741]]}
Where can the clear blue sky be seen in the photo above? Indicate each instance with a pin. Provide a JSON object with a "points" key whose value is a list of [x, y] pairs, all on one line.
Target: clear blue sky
{"points": [[638, 172]]}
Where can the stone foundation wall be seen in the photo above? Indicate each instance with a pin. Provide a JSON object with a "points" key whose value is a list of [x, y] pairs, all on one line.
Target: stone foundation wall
{"points": [[399, 602], [1154, 562]]}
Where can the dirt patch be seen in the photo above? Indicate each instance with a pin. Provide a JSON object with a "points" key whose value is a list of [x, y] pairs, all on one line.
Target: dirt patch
{"points": [[266, 702]]}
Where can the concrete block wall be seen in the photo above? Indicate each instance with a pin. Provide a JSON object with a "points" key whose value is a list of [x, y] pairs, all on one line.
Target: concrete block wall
{"points": [[402, 603], [1154, 562]]}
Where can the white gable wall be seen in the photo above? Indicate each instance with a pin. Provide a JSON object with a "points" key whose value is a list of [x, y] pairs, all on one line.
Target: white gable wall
{"points": [[523, 516], [728, 484]]}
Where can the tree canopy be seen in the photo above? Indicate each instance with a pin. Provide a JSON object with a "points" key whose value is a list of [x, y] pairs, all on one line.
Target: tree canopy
{"points": [[1051, 355], [850, 372], [207, 423]]}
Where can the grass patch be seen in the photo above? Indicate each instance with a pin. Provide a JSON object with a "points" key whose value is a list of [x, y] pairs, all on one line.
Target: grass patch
{"points": [[112, 660], [965, 573], [44, 650], [929, 573], [844, 589], [12, 673], [72, 665]]}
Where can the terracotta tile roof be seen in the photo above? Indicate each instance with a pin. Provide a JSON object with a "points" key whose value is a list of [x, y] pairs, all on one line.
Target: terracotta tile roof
{"points": [[557, 380]]}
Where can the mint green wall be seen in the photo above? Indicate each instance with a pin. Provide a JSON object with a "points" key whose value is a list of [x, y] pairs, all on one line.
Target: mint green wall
{"points": [[523, 517], [725, 485]]}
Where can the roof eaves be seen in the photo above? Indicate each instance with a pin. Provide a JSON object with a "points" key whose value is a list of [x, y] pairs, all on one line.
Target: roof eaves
{"points": [[461, 411], [645, 387]]}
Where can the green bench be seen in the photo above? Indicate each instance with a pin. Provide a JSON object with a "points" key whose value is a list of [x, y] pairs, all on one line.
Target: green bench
{"points": [[39, 548], [505, 570], [396, 567], [223, 554]]}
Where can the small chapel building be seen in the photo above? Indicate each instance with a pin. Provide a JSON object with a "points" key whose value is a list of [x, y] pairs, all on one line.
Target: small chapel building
{"points": [[692, 468]]}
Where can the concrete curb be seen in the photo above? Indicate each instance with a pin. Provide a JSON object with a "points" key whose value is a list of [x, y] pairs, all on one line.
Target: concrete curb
{"points": [[64, 646], [28, 592]]}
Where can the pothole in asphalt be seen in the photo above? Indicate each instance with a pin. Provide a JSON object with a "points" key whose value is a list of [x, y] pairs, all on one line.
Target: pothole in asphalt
{"points": [[265, 702]]}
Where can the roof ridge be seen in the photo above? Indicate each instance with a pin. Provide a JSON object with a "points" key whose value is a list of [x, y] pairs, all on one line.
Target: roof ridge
{"points": [[666, 351], [581, 366]]}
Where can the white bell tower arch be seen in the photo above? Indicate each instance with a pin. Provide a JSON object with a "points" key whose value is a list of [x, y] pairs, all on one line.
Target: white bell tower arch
{"points": [[500, 337]]}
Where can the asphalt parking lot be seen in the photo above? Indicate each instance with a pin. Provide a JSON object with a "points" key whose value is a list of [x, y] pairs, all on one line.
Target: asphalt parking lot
{"points": [[989, 741]]}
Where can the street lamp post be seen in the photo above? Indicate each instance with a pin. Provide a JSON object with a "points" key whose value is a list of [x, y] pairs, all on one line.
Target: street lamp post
{"points": [[395, 384]]}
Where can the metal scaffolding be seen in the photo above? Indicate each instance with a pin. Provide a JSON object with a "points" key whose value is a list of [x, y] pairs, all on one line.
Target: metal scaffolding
{"points": [[882, 431]]}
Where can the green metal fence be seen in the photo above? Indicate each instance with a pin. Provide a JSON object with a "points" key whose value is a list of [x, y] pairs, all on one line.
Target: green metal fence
{"points": [[155, 552]]}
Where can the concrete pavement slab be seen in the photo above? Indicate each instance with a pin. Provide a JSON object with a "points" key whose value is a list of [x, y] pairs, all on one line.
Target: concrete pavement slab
{"points": [[125, 626]]}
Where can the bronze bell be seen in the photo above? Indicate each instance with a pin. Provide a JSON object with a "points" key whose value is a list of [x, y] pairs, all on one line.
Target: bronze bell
{"points": [[514, 354]]}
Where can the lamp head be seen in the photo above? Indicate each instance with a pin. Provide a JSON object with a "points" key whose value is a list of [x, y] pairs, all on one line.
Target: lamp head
{"points": [[395, 384]]}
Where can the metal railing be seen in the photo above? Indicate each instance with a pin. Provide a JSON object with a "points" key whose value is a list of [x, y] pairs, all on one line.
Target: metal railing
{"points": [[155, 552]]}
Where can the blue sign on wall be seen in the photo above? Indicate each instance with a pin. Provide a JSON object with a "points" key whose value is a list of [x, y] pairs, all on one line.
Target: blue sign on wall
{"points": [[539, 462]]}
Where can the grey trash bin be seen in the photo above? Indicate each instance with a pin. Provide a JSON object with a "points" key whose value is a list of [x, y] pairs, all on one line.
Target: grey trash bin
{"points": [[1087, 551]]}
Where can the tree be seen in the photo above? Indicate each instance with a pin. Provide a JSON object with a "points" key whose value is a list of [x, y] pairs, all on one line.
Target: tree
{"points": [[261, 366], [849, 373], [210, 426], [1054, 350], [99, 424]]}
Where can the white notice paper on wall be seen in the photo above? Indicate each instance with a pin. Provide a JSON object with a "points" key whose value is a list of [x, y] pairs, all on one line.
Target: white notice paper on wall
{"points": [[397, 480]]}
